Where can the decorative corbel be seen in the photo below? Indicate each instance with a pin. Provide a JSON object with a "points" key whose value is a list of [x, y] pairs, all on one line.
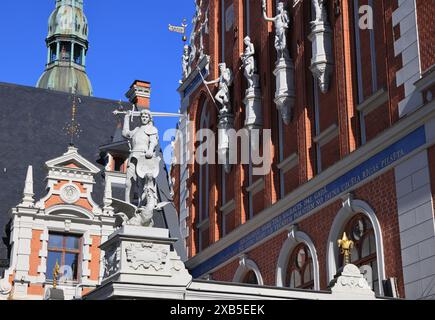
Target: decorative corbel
{"points": [[347, 202]]}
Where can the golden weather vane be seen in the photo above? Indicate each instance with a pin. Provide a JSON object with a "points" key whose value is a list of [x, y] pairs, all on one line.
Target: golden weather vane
{"points": [[346, 246], [178, 29], [73, 127]]}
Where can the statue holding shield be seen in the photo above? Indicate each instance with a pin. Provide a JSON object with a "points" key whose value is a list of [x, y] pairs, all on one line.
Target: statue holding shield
{"points": [[143, 166]]}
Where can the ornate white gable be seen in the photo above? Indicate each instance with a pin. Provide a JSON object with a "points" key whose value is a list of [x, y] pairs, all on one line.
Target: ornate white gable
{"points": [[70, 183]]}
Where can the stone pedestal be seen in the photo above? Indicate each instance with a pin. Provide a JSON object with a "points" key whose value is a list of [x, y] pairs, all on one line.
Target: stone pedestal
{"points": [[322, 59], [285, 89], [54, 294], [139, 263], [225, 123], [254, 114], [349, 283]]}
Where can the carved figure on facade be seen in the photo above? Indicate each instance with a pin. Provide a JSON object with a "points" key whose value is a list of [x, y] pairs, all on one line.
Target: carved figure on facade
{"points": [[249, 65], [321, 39], [146, 255], [281, 21], [203, 29], [143, 167], [112, 260], [320, 9], [185, 62], [224, 81]]}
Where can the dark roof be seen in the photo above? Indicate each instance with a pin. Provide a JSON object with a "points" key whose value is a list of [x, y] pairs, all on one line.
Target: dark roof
{"points": [[31, 133]]}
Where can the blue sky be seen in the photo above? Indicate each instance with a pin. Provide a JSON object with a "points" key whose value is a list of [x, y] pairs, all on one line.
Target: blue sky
{"points": [[129, 40]]}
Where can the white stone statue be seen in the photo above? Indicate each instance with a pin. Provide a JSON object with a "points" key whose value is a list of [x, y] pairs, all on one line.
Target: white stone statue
{"points": [[249, 65], [185, 62], [203, 29], [319, 7], [195, 20], [281, 21], [321, 38], [225, 81], [143, 166]]}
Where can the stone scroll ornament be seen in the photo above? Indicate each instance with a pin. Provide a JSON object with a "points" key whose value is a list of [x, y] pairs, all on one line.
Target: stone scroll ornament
{"points": [[284, 68], [321, 40], [142, 171], [225, 117]]}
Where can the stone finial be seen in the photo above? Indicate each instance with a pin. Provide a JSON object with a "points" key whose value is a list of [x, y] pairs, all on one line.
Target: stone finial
{"points": [[28, 194], [346, 246], [108, 209]]}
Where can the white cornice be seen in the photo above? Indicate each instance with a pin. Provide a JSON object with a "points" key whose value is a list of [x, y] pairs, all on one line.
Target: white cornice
{"points": [[401, 129], [289, 163], [327, 135], [256, 187], [427, 79], [373, 102], [203, 63], [228, 207], [74, 156]]}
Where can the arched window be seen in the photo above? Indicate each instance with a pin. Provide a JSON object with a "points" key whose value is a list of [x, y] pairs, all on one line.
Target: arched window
{"points": [[300, 270], [204, 168], [248, 272], [360, 230], [361, 225], [250, 278], [298, 264], [203, 183]]}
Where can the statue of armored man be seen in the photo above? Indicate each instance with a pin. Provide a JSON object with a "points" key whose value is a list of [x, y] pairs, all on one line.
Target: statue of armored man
{"points": [[143, 167]]}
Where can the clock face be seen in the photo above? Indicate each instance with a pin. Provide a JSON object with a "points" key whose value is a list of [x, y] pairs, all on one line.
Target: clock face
{"points": [[70, 193]]}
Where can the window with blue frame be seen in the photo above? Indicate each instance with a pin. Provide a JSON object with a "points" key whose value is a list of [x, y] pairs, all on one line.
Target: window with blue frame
{"points": [[65, 250]]}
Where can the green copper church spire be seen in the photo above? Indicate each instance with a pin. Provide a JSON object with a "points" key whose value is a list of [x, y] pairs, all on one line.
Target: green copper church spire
{"points": [[67, 44]]}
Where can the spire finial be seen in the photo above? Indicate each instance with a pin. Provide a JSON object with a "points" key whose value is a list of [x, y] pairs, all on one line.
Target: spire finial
{"points": [[28, 194], [73, 127]]}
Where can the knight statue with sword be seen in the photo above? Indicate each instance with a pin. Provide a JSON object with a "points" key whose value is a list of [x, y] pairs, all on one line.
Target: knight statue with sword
{"points": [[143, 164]]}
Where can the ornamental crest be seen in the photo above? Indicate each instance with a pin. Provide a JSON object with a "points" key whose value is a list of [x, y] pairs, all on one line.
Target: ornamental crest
{"points": [[146, 255]]}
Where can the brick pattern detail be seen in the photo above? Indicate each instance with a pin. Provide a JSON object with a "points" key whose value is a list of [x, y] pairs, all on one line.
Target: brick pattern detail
{"points": [[94, 264], [377, 121], [425, 17], [36, 246]]}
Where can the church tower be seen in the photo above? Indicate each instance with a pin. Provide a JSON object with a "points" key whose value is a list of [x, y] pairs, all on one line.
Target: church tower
{"points": [[67, 44]]}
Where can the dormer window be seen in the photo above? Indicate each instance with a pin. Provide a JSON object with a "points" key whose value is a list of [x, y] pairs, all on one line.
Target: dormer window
{"points": [[65, 250]]}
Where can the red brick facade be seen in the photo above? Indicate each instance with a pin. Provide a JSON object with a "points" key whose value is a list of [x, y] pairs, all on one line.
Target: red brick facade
{"points": [[346, 109]]}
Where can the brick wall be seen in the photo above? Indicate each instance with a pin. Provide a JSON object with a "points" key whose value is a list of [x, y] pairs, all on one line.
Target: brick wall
{"points": [[426, 32], [318, 226]]}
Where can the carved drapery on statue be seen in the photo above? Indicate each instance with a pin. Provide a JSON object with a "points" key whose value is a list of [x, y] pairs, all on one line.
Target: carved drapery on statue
{"points": [[284, 68]]}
